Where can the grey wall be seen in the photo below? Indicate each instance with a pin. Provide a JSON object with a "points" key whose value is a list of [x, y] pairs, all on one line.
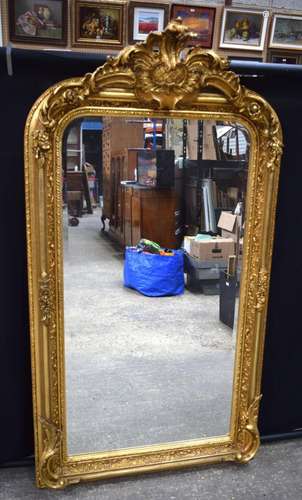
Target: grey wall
{"points": [[276, 4]]}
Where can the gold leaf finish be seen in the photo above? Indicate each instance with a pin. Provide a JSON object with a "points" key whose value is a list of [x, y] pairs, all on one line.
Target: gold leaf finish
{"points": [[46, 303], [263, 282], [157, 78], [50, 470], [41, 146], [248, 432]]}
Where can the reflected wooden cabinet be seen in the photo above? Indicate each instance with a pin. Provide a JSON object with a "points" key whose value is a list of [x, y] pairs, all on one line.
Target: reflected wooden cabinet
{"points": [[115, 158], [122, 168], [151, 213]]}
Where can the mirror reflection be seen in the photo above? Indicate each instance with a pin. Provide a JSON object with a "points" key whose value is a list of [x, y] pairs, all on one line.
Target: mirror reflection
{"points": [[153, 217]]}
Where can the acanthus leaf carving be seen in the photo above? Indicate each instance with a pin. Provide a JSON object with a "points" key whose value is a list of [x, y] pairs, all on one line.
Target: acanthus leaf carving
{"points": [[248, 433], [50, 468], [161, 70]]}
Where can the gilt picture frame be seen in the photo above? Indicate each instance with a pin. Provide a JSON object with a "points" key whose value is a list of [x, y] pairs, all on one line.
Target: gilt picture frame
{"points": [[98, 24], [243, 29], [135, 83], [41, 22]]}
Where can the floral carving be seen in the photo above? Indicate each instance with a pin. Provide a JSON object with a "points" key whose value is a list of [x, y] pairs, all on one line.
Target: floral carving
{"points": [[275, 146], [72, 97], [41, 146]]}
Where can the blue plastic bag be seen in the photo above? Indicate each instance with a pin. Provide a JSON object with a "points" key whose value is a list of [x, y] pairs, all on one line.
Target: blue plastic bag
{"points": [[154, 275]]}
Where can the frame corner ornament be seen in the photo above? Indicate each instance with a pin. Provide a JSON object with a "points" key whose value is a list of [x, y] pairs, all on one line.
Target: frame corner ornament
{"points": [[248, 433], [50, 468]]}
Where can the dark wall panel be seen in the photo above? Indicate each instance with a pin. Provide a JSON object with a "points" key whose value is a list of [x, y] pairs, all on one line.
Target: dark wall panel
{"points": [[281, 406], [33, 72]]}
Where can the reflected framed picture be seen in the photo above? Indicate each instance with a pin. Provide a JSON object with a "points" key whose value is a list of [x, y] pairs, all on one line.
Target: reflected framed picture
{"points": [[38, 21], [145, 17], [243, 29], [98, 24], [286, 32], [199, 19]]}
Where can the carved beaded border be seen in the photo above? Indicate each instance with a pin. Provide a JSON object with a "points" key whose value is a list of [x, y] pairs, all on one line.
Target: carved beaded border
{"points": [[169, 83]]}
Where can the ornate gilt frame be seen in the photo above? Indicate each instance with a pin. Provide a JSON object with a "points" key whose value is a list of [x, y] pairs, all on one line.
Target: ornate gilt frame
{"points": [[154, 78]]}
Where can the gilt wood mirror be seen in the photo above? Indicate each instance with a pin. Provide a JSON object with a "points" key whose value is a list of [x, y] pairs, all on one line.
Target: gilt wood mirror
{"points": [[162, 143]]}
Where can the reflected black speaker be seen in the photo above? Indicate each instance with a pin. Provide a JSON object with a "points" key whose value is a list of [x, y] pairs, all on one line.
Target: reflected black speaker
{"points": [[165, 166]]}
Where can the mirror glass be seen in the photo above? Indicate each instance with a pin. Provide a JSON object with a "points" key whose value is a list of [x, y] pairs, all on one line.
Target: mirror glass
{"points": [[153, 219]]}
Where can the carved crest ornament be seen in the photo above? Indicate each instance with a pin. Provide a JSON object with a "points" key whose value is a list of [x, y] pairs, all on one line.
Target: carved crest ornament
{"points": [[159, 77]]}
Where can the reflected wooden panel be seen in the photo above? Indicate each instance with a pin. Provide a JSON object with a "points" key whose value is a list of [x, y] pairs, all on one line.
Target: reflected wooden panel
{"points": [[152, 215]]}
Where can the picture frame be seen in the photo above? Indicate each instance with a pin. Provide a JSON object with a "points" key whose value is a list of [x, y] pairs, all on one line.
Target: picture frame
{"points": [[117, 90], [199, 19], [144, 17], [286, 32], [246, 58], [243, 29], [1, 37], [41, 22], [98, 24], [279, 57]]}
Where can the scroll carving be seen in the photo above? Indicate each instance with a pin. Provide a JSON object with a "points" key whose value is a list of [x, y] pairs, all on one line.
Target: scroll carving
{"points": [[249, 438]]}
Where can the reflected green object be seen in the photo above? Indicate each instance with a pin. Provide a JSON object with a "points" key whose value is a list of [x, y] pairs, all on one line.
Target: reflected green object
{"points": [[149, 246]]}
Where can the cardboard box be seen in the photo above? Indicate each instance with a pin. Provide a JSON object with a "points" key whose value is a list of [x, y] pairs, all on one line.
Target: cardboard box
{"points": [[187, 243], [214, 249], [228, 224]]}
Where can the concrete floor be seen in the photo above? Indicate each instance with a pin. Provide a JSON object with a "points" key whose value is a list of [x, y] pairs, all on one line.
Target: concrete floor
{"points": [[274, 474], [139, 370]]}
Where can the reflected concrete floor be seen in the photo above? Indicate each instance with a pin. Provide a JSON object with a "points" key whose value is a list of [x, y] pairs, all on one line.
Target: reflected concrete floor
{"points": [[140, 370], [274, 474]]}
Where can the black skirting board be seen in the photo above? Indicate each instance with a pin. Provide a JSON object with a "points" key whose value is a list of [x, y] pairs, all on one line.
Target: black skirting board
{"points": [[34, 72]]}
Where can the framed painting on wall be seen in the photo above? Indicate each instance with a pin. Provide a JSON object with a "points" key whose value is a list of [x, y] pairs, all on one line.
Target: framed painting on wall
{"points": [[243, 29], [283, 57], [38, 21], [98, 24], [145, 17], [286, 32], [1, 38], [198, 19]]}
